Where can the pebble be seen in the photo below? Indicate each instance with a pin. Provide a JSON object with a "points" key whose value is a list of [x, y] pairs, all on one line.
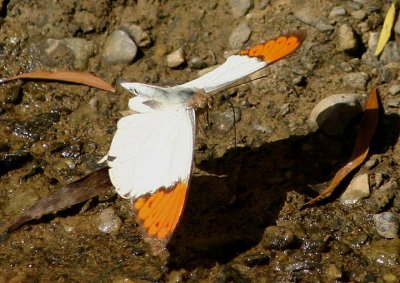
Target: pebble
{"points": [[264, 4], [139, 36], [394, 89], [310, 16], [385, 193], [265, 130], [176, 58], [314, 245], [332, 114], [86, 21], [359, 15], [276, 237], [240, 8], [239, 36], [60, 52], [373, 40], [356, 80], [384, 252], [394, 103], [391, 53], [9, 161], [225, 121], [347, 40], [357, 189], [81, 49], [119, 48], [396, 27], [337, 11], [197, 63], [109, 221], [387, 224], [36, 126], [256, 260], [371, 163], [333, 273]]}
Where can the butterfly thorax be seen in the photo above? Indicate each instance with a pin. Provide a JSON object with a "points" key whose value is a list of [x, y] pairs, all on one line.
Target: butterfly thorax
{"points": [[200, 100]]}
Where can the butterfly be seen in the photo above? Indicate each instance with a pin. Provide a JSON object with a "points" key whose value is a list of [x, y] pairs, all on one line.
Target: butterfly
{"points": [[151, 154]]}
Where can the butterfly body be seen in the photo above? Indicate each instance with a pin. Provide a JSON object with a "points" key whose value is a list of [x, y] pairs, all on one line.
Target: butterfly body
{"points": [[151, 154]]}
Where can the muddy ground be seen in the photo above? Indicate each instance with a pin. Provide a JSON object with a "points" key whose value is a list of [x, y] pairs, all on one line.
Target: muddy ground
{"points": [[54, 133]]}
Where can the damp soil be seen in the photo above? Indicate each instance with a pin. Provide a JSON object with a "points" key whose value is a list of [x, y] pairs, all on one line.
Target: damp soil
{"points": [[246, 178]]}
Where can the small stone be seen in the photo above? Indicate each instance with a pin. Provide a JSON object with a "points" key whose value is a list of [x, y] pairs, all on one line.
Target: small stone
{"points": [[371, 163], [239, 36], [86, 21], [197, 63], [314, 245], [81, 49], [387, 224], [391, 53], [109, 221], [276, 237], [373, 40], [256, 260], [225, 121], [35, 127], [332, 114], [176, 58], [333, 273], [394, 103], [359, 15], [9, 161], [119, 48], [337, 11], [240, 8], [357, 80], [264, 4], [384, 252], [357, 189], [397, 26], [139, 36], [310, 16], [265, 130], [394, 89], [385, 193], [347, 40], [285, 109]]}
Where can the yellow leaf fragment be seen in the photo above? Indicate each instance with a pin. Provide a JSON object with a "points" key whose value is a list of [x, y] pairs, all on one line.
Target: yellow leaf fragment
{"points": [[386, 30]]}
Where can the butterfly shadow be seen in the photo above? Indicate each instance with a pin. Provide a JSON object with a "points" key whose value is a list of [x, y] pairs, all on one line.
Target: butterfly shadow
{"points": [[227, 212]]}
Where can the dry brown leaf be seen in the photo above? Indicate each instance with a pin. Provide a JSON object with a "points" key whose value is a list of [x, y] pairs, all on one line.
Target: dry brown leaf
{"points": [[367, 129], [71, 76], [76, 192]]}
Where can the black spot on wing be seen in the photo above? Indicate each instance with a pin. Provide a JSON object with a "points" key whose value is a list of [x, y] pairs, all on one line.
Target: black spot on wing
{"points": [[111, 158]]}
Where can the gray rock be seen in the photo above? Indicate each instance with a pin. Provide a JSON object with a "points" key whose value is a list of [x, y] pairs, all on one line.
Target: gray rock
{"points": [[309, 15], [276, 237], [391, 53], [394, 89], [356, 80], [139, 36], [240, 8], [176, 58], [81, 49], [384, 252], [371, 163], [86, 21], [109, 221], [337, 11], [332, 114], [385, 193], [36, 126], [119, 48], [373, 41], [359, 15], [10, 161], [225, 121], [61, 52], [347, 40], [264, 4], [387, 224], [396, 27], [394, 103], [197, 63], [239, 36], [357, 189]]}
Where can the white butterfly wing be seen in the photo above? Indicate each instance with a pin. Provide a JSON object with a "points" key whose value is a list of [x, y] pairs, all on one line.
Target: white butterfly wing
{"points": [[152, 150], [234, 68]]}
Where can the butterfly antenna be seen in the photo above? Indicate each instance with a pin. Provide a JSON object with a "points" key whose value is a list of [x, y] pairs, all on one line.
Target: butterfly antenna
{"points": [[234, 122]]}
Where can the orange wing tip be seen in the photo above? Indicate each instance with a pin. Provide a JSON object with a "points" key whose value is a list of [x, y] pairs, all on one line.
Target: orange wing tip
{"points": [[160, 212], [276, 49]]}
